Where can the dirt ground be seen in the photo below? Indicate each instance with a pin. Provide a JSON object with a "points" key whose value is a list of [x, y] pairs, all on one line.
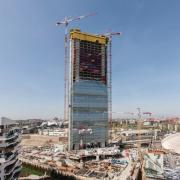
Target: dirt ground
{"points": [[41, 140]]}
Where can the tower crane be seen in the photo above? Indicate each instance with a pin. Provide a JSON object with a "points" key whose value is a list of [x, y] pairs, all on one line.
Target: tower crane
{"points": [[110, 35], [65, 23], [147, 113]]}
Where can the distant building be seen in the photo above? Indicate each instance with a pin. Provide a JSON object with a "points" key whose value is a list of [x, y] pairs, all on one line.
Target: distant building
{"points": [[53, 132], [88, 92], [10, 166], [30, 122]]}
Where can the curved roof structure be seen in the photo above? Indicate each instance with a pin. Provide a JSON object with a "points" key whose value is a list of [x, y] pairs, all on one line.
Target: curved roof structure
{"points": [[172, 142]]}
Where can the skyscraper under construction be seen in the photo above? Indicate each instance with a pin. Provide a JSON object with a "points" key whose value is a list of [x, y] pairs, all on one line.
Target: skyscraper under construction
{"points": [[88, 90]]}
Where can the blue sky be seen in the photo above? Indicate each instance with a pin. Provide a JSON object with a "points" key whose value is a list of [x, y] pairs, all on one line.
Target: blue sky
{"points": [[146, 59]]}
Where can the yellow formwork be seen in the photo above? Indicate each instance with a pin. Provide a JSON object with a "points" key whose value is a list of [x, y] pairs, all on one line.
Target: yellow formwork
{"points": [[77, 34]]}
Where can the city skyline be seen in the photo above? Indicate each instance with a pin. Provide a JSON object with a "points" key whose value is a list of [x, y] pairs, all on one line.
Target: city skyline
{"points": [[144, 59]]}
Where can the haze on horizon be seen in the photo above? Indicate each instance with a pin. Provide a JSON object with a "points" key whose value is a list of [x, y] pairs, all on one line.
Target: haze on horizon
{"points": [[145, 59]]}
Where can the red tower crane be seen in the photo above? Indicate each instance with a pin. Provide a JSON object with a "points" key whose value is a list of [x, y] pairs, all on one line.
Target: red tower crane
{"points": [[147, 113]]}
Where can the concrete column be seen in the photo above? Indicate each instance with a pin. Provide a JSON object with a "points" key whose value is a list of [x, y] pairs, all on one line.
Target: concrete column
{"points": [[76, 147], [102, 144], [176, 127]]}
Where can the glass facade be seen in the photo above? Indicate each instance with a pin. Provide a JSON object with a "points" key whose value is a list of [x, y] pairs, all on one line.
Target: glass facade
{"points": [[88, 106]]}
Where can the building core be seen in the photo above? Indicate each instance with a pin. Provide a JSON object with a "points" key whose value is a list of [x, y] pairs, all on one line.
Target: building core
{"points": [[88, 90]]}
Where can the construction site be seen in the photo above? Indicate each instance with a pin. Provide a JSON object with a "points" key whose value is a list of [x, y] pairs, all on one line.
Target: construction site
{"points": [[96, 163], [96, 146], [148, 153]]}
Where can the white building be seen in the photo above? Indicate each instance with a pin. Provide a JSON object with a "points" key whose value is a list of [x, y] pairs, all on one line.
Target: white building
{"points": [[10, 166], [172, 143], [54, 132]]}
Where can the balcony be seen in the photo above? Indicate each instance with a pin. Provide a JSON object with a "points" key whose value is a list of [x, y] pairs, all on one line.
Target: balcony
{"points": [[10, 168], [16, 172], [8, 155], [12, 138], [9, 130], [12, 149], [13, 159], [11, 156], [8, 144]]}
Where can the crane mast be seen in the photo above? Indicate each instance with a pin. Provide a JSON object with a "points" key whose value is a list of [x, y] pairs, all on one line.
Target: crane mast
{"points": [[65, 23], [110, 35]]}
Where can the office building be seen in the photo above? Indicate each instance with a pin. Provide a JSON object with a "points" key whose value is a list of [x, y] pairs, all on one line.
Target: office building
{"points": [[88, 90]]}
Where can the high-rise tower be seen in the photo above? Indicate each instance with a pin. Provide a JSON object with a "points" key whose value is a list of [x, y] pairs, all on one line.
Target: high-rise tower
{"points": [[88, 90], [10, 165]]}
